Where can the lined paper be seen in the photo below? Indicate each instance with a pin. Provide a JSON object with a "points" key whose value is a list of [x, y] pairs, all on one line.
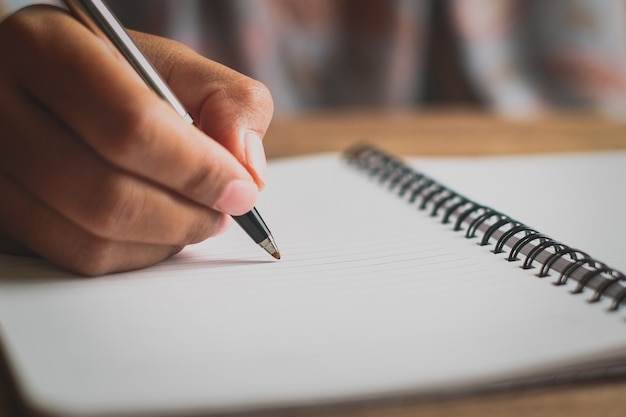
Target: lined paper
{"points": [[372, 298]]}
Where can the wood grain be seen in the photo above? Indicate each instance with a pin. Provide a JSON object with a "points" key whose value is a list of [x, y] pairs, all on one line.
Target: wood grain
{"points": [[443, 133]]}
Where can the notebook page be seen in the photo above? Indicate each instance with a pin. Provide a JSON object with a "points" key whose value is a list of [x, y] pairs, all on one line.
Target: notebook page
{"points": [[371, 298]]}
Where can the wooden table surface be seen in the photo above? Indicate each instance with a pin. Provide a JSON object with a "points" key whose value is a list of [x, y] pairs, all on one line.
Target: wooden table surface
{"points": [[455, 133], [442, 133]]}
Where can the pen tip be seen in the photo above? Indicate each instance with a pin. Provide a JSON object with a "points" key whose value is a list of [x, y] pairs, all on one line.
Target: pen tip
{"points": [[270, 247]]}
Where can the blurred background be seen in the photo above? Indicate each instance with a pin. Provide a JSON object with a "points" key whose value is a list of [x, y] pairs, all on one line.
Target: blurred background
{"points": [[518, 58]]}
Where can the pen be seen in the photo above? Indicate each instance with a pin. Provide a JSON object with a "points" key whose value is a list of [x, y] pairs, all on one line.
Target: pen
{"points": [[97, 16]]}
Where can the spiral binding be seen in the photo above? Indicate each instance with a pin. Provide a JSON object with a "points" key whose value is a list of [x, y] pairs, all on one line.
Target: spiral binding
{"points": [[524, 244]]}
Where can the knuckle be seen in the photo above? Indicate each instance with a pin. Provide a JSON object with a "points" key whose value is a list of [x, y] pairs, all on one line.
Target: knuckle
{"points": [[247, 94], [256, 94], [94, 256], [258, 91], [117, 210], [18, 26], [31, 25], [18, 23]]}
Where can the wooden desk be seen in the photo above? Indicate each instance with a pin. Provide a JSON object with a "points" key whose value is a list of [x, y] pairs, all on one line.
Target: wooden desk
{"points": [[442, 133], [456, 133]]}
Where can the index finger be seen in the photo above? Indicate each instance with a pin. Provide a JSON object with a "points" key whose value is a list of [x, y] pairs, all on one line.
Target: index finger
{"points": [[234, 109]]}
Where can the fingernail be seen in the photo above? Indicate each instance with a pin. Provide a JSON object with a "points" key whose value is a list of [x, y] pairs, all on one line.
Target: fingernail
{"points": [[255, 157], [237, 198]]}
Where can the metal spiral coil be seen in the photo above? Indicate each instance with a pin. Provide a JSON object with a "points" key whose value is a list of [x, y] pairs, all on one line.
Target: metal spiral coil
{"points": [[524, 244]]}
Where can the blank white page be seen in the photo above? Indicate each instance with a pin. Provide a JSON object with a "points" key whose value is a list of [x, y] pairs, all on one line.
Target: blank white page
{"points": [[372, 298]]}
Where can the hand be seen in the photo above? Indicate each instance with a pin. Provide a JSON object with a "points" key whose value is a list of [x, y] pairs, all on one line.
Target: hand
{"points": [[98, 174]]}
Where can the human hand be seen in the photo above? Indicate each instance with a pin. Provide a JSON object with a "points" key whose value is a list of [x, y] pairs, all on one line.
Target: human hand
{"points": [[99, 175]]}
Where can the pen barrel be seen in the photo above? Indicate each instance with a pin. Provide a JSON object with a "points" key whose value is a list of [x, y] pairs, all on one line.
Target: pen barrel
{"points": [[254, 226], [97, 17]]}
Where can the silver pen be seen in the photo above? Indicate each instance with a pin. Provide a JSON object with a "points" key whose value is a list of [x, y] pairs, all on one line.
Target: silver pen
{"points": [[97, 16]]}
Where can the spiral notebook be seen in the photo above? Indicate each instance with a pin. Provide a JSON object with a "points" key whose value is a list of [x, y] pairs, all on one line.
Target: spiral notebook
{"points": [[392, 284]]}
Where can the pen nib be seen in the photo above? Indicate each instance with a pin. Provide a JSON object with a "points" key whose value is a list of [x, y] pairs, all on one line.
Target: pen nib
{"points": [[270, 247]]}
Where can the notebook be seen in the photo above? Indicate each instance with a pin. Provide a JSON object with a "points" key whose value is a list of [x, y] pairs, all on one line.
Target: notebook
{"points": [[392, 284]]}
